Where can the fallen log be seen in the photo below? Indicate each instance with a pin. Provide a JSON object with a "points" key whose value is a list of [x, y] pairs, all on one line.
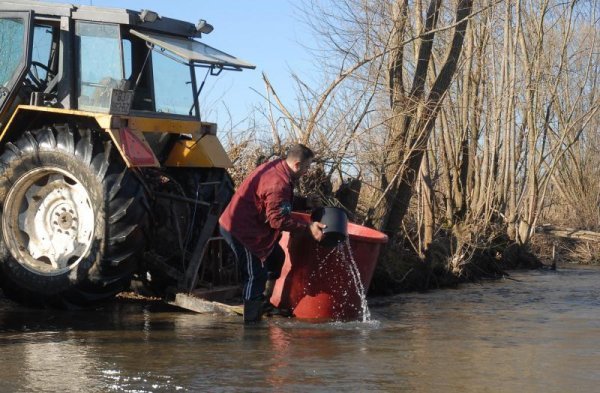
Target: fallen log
{"points": [[568, 233]]}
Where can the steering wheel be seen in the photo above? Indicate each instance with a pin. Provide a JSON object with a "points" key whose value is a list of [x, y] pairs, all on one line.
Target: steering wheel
{"points": [[33, 74]]}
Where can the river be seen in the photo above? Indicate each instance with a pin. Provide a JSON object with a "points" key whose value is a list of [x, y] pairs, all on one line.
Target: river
{"points": [[538, 331]]}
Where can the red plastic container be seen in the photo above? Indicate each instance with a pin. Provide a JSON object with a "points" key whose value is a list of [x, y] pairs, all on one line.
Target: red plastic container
{"points": [[317, 283]]}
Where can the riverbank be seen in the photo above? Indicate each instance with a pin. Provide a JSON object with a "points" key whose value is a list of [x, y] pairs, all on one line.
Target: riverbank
{"points": [[400, 270]]}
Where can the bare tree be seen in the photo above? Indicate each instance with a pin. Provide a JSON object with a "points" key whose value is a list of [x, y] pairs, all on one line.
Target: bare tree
{"points": [[487, 112]]}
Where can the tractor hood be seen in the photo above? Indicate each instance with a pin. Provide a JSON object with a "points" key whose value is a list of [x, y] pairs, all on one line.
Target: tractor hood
{"points": [[194, 51]]}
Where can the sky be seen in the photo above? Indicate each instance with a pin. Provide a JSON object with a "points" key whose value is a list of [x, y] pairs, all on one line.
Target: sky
{"points": [[266, 33]]}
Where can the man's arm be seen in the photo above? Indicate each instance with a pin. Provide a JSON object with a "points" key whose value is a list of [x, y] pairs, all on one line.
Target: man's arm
{"points": [[279, 209]]}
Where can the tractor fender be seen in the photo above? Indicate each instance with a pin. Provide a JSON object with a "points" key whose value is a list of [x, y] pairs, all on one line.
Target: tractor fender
{"points": [[131, 144]]}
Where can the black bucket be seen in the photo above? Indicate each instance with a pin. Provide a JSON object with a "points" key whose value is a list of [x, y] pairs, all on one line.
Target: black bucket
{"points": [[336, 220]]}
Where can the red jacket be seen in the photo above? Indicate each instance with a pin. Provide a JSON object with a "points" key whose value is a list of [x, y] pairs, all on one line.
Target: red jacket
{"points": [[260, 208]]}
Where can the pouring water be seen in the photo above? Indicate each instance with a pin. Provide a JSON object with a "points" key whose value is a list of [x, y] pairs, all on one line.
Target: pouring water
{"points": [[366, 314], [328, 280], [343, 287]]}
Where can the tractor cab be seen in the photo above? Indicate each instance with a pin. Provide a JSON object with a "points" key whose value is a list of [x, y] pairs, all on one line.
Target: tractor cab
{"points": [[89, 58]]}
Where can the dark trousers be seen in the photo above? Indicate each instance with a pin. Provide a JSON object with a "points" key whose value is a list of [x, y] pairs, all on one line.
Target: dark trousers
{"points": [[254, 273]]}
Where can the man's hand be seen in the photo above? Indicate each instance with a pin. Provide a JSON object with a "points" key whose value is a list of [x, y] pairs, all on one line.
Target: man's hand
{"points": [[316, 230]]}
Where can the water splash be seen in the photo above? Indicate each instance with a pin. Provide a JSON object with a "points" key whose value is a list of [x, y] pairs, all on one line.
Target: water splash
{"points": [[336, 260], [366, 314]]}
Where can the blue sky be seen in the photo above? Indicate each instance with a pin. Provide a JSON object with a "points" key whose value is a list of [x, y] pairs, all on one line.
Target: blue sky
{"points": [[267, 33]]}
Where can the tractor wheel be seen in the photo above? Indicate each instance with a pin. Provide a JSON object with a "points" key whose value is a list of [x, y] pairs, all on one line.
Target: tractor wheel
{"points": [[72, 218]]}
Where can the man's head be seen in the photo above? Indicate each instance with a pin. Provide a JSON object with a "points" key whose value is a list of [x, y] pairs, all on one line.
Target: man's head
{"points": [[299, 158]]}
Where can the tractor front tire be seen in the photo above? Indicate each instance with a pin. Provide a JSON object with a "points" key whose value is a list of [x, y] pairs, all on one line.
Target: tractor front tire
{"points": [[72, 218]]}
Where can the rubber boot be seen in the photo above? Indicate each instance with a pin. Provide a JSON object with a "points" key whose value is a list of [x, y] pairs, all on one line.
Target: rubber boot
{"points": [[267, 307], [269, 285], [252, 311]]}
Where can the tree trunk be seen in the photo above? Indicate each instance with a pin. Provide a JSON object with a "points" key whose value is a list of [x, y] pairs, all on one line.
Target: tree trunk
{"points": [[428, 204], [426, 121]]}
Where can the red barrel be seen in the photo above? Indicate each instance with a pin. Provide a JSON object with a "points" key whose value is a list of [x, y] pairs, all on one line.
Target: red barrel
{"points": [[317, 282]]}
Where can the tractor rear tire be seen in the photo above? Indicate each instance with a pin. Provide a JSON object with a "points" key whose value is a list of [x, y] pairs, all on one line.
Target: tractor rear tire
{"points": [[72, 218]]}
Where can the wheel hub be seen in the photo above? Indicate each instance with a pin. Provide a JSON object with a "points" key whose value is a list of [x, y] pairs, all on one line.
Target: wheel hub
{"points": [[65, 220]]}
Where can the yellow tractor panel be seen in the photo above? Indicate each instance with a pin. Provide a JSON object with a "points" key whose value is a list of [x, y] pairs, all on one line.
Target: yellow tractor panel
{"points": [[127, 133], [152, 124], [206, 152]]}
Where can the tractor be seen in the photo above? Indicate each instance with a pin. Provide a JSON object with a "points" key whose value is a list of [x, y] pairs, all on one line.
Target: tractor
{"points": [[108, 175]]}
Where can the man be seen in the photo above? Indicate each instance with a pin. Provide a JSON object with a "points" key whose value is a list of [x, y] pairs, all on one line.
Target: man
{"points": [[254, 219]]}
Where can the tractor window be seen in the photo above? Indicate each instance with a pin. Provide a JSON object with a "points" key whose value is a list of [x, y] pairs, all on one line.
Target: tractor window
{"points": [[135, 54], [40, 52], [44, 60], [127, 58], [100, 64], [12, 33], [164, 80], [172, 85]]}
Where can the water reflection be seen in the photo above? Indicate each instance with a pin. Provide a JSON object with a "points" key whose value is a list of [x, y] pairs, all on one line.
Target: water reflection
{"points": [[539, 334]]}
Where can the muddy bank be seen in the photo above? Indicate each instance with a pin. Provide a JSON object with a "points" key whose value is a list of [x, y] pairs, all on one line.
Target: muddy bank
{"points": [[401, 270]]}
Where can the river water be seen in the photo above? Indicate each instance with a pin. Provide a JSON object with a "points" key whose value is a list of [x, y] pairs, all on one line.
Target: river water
{"points": [[536, 332]]}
